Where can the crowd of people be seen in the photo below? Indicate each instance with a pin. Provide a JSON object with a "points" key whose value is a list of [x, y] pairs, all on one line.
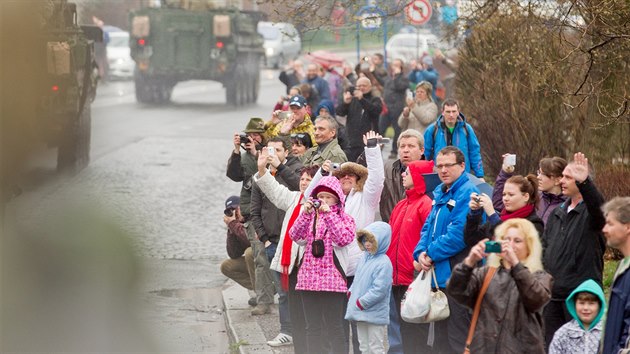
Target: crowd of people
{"points": [[339, 232]]}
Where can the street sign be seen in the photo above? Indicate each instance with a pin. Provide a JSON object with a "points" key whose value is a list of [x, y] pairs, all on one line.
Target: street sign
{"points": [[371, 17], [418, 12]]}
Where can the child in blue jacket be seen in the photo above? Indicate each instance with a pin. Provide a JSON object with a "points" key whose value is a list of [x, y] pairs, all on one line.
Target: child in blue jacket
{"points": [[368, 303]]}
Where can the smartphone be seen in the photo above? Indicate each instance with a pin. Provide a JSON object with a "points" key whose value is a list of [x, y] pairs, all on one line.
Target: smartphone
{"points": [[509, 160], [493, 247], [271, 150], [383, 140]]}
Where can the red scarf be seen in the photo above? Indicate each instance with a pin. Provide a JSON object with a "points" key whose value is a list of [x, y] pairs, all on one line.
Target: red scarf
{"points": [[520, 213], [287, 244]]}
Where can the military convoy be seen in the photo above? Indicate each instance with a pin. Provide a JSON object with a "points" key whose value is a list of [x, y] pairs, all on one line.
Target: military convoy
{"points": [[193, 40]]}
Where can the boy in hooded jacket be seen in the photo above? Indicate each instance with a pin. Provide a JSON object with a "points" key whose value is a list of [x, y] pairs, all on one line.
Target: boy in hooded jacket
{"points": [[369, 294], [586, 304]]}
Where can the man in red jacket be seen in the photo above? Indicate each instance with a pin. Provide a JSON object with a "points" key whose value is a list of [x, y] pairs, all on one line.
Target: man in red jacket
{"points": [[406, 221]]}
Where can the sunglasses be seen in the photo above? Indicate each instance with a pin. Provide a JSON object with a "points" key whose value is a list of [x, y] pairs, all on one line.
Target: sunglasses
{"points": [[298, 136]]}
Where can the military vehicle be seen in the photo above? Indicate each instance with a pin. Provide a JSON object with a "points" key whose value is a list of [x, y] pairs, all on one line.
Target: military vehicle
{"points": [[193, 40], [70, 84]]}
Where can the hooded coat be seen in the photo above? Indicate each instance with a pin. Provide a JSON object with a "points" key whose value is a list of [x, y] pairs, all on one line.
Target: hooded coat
{"points": [[464, 138], [573, 337], [368, 298], [406, 221], [336, 229]]}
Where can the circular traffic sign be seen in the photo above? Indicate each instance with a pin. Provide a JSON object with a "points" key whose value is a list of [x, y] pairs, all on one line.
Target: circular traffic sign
{"points": [[418, 12], [371, 17]]}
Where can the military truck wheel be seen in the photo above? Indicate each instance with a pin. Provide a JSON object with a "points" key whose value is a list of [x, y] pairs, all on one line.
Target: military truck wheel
{"points": [[161, 93], [143, 90], [73, 154]]}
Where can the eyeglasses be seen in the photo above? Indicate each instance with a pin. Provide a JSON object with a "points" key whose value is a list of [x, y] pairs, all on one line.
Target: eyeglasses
{"points": [[447, 165]]}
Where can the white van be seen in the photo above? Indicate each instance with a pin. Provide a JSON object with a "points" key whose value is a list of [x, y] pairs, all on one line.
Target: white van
{"points": [[282, 42]]}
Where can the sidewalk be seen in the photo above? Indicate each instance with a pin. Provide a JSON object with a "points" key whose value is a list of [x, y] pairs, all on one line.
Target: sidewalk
{"points": [[249, 334]]}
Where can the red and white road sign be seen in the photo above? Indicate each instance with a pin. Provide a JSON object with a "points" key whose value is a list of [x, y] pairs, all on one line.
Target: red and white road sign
{"points": [[418, 12]]}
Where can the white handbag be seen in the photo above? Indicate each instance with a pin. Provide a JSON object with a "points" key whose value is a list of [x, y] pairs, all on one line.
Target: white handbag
{"points": [[417, 299], [438, 309]]}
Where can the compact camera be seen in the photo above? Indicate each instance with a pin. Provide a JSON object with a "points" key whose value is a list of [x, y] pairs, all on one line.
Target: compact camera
{"points": [[271, 150], [244, 138], [317, 203], [493, 247], [335, 166], [229, 212], [351, 89]]}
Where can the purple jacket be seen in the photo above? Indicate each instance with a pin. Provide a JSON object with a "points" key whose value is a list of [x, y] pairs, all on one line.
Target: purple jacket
{"points": [[547, 203], [336, 228]]}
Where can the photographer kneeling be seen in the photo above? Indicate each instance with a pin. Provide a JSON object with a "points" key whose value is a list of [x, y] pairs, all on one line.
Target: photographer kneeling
{"points": [[510, 315]]}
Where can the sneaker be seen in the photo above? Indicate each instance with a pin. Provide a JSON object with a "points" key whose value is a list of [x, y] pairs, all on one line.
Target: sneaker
{"points": [[252, 301], [261, 309], [280, 340]]}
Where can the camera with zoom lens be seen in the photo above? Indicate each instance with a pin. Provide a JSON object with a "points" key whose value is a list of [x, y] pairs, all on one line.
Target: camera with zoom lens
{"points": [[244, 138], [351, 89], [317, 203]]}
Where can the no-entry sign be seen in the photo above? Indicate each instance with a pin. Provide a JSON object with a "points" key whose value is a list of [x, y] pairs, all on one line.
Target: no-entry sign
{"points": [[418, 12]]}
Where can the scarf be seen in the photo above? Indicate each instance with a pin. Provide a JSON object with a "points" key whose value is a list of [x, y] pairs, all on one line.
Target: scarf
{"points": [[287, 244], [520, 213]]}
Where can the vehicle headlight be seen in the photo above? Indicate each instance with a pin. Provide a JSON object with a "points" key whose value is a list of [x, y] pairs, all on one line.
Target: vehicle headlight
{"points": [[269, 51]]}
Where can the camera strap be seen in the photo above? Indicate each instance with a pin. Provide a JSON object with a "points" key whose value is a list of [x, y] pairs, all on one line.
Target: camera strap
{"points": [[482, 292]]}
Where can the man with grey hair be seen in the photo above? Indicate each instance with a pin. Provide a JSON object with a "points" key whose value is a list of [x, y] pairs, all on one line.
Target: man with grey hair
{"points": [[617, 232], [410, 148], [327, 148]]}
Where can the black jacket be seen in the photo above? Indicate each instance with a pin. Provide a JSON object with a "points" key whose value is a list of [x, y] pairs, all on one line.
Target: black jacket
{"points": [[395, 94], [362, 116], [393, 190], [267, 219], [573, 243]]}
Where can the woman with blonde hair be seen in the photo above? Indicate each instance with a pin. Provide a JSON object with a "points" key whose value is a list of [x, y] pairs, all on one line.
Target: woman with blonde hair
{"points": [[510, 315], [420, 111]]}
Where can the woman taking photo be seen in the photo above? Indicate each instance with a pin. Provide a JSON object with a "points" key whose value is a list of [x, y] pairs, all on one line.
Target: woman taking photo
{"points": [[510, 313], [520, 197], [421, 111], [550, 194]]}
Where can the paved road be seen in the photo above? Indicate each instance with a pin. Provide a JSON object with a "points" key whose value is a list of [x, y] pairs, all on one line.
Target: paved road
{"points": [[161, 172]]}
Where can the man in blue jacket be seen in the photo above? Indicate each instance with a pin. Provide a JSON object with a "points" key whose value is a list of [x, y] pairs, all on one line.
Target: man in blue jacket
{"points": [[617, 232], [442, 244], [451, 129]]}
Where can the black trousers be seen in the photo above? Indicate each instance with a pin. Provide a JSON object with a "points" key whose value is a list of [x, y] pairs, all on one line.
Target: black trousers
{"points": [[296, 313], [324, 321], [555, 315]]}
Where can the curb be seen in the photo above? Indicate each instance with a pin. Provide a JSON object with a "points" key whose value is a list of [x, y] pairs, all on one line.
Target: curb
{"points": [[239, 323]]}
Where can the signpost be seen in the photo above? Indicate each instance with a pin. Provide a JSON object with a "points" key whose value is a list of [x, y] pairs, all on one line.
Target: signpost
{"points": [[418, 13]]}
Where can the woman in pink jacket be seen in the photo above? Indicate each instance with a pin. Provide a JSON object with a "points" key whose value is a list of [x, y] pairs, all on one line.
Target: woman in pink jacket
{"points": [[322, 227]]}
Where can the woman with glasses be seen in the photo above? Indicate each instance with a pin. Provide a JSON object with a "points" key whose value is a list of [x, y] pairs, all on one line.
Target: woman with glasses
{"points": [[421, 111], [550, 194]]}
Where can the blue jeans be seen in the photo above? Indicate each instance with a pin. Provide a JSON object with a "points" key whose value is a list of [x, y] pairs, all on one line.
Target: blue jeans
{"points": [[283, 302]]}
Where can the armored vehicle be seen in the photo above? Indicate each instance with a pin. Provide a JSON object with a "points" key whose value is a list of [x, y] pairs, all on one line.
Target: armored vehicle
{"points": [[70, 84], [192, 40], [48, 80]]}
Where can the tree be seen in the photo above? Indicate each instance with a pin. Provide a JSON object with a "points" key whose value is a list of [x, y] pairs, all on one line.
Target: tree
{"points": [[543, 80]]}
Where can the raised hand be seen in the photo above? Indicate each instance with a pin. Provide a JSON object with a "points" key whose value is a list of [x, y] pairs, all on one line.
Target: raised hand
{"points": [[579, 167]]}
